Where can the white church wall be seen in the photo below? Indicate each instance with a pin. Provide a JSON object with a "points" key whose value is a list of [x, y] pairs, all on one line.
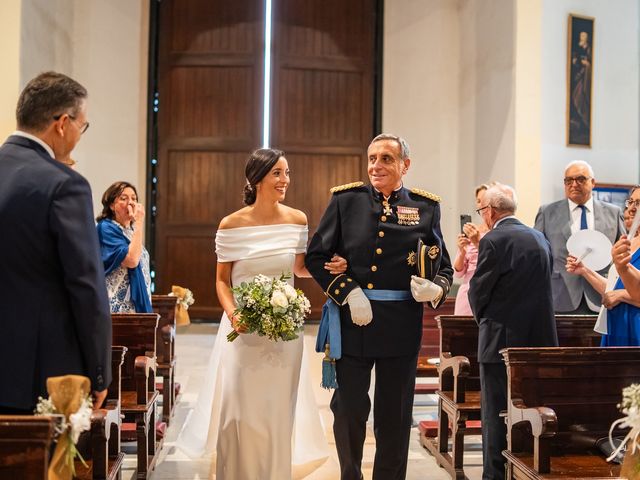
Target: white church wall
{"points": [[103, 45], [615, 113]]}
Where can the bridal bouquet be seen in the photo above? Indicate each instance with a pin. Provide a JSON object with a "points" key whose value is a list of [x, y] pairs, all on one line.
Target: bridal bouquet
{"points": [[630, 406], [270, 307]]}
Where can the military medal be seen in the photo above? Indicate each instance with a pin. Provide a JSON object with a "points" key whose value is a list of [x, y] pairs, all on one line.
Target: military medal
{"points": [[386, 207], [408, 215]]}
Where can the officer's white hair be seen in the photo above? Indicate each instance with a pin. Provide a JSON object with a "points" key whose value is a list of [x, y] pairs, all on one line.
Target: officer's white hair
{"points": [[580, 163], [502, 198], [404, 146]]}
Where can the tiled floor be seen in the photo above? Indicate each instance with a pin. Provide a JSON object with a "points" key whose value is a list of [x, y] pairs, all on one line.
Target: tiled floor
{"points": [[194, 344]]}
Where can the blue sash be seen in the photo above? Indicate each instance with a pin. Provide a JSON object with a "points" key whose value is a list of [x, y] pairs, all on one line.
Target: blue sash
{"points": [[329, 331]]}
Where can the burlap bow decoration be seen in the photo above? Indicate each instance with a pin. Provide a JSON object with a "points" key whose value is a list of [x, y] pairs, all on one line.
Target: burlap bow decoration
{"points": [[185, 300], [67, 394]]}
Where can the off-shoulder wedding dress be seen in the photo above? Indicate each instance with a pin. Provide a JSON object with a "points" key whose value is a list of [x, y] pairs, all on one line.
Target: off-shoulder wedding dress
{"points": [[256, 414]]}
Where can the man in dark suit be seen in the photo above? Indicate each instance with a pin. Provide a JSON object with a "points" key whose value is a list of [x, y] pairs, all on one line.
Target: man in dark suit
{"points": [[376, 228], [55, 313], [510, 296], [558, 220]]}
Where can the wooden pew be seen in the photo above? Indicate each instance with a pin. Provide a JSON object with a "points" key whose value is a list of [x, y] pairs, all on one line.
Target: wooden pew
{"points": [[430, 346], [137, 331], [105, 457], [560, 401], [25, 442], [459, 394], [165, 306]]}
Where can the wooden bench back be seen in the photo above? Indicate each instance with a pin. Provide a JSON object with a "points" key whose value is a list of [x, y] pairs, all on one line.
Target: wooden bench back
{"points": [[429, 347], [582, 385], [165, 306], [24, 446], [137, 332], [459, 337]]}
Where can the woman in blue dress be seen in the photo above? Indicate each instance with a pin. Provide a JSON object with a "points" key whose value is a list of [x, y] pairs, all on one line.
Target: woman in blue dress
{"points": [[619, 317]]}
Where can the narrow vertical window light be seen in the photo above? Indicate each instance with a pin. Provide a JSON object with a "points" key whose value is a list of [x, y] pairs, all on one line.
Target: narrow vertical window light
{"points": [[266, 118]]}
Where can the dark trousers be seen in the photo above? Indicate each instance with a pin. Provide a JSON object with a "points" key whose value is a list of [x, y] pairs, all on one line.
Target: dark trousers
{"points": [[493, 387], [392, 412]]}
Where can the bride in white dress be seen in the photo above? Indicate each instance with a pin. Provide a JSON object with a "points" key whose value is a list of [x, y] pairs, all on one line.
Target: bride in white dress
{"points": [[256, 413]]}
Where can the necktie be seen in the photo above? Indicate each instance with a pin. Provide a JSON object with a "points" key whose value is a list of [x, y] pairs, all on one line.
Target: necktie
{"points": [[583, 218]]}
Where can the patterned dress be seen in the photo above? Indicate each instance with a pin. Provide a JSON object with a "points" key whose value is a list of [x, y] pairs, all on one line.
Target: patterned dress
{"points": [[118, 280]]}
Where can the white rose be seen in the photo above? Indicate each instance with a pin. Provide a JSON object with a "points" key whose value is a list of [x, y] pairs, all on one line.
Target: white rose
{"points": [[279, 299], [290, 292]]}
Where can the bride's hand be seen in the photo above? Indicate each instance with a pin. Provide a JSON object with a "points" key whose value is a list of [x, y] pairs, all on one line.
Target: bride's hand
{"points": [[236, 325], [336, 265]]}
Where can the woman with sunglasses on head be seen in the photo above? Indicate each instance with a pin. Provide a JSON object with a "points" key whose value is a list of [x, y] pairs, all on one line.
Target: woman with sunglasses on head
{"points": [[619, 317], [464, 265]]}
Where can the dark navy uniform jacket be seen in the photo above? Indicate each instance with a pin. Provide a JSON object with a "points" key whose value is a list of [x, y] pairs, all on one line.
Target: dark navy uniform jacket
{"points": [[380, 248]]}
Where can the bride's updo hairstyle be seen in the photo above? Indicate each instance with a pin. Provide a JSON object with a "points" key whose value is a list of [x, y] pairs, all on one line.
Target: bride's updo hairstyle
{"points": [[259, 164]]}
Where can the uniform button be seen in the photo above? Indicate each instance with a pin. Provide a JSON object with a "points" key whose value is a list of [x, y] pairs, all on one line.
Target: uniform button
{"points": [[349, 280], [336, 291], [381, 233], [342, 284], [378, 251], [369, 286], [374, 268], [383, 218]]}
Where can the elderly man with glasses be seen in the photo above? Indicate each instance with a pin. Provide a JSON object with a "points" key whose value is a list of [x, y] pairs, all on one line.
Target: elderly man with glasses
{"points": [[559, 220]]}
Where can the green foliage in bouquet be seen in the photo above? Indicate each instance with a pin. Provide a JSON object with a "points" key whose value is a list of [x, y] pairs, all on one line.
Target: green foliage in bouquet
{"points": [[270, 307]]}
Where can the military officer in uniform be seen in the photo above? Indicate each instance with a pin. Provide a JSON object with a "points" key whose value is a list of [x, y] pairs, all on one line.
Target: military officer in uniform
{"points": [[376, 227]]}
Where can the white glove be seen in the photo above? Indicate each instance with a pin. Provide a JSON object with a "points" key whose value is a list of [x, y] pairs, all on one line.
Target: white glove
{"points": [[360, 307], [424, 290]]}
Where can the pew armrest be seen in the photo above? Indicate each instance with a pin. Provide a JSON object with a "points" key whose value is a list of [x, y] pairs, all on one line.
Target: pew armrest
{"points": [[145, 375], [544, 425], [453, 375]]}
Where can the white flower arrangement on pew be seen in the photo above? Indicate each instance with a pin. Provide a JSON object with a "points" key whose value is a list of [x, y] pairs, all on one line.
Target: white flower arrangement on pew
{"points": [[79, 422], [187, 300], [270, 307], [630, 407]]}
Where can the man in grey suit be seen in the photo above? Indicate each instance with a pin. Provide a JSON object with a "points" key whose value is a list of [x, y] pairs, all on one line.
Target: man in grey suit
{"points": [[559, 220]]}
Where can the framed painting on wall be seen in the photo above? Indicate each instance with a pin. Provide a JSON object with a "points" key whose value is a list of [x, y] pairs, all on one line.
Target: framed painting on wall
{"points": [[579, 80], [615, 193]]}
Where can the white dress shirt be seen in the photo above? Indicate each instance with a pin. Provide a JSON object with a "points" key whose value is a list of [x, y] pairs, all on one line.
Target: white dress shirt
{"points": [[576, 214]]}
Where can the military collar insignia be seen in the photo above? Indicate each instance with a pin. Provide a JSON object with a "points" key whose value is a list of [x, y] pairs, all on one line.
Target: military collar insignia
{"points": [[346, 186], [411, 258], [433, 252], [408, 215]]}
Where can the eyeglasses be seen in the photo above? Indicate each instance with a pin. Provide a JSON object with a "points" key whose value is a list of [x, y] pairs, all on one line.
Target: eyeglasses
{"points": [[580, 180], [83, 128], [482, 208], [632, 203]]}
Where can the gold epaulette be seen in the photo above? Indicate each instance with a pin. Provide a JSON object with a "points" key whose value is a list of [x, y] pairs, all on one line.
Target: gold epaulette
{"points": [[346, 186], [424, 193]]}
